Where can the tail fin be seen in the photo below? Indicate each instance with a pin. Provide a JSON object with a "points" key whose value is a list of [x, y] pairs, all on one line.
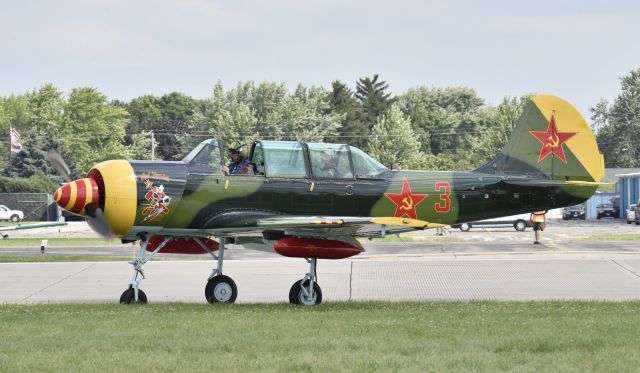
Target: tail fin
{"points": [[551, 141]]}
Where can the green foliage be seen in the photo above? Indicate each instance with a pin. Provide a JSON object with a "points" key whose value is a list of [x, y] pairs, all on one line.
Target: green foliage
{"points": [[618, 124], [352, 129], [266, 111], [392, 141], [374, 99], [167, 116], [446, 120], [502, 119], [37, 183], [93, 130]]}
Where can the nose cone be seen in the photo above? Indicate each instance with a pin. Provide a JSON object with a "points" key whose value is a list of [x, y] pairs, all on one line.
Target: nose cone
{"points": [[75, 195]]}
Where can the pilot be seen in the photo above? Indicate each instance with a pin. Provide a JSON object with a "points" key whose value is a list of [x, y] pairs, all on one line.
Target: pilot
{"points": [[329, 168], [239, 164]]}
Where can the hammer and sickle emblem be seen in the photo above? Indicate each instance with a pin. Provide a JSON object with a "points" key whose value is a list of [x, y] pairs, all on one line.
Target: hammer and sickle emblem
{"points": [[407, 203], [553, 141]]}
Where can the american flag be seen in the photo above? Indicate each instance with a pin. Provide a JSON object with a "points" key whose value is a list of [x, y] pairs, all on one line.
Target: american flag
{"points": [[15, 140]]}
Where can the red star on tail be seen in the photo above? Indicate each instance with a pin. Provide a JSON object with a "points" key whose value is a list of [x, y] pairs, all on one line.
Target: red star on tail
{"points": [[406, 201], [552, 141]]}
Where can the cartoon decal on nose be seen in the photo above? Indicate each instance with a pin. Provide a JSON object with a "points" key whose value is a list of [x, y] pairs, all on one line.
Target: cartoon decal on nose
{"points": [[157, 205]]}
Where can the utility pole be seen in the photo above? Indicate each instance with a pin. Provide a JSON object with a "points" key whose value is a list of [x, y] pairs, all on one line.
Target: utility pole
{"points": [[153, 146]]}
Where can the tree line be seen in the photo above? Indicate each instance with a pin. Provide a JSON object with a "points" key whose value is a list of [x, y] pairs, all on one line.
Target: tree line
{"points": [[423, 128]]}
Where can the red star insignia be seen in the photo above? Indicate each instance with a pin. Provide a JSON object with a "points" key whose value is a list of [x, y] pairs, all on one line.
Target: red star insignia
{"points": [[406, 201], [552, 141]]}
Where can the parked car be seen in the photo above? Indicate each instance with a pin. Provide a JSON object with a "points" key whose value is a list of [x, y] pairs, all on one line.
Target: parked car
{"points": [[638, 213], [631, 213], [11, 215], [518, 222], [605, 209], [573, 212]]}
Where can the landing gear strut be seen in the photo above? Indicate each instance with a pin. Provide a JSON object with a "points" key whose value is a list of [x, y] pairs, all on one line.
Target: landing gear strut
{"points": [[220, 288], [133, 294], [307, 292]]}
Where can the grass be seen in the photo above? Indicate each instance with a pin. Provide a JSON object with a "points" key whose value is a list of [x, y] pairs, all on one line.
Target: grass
{"points": [[60, 258], [64, 242], [613, 237], [434, 336]]}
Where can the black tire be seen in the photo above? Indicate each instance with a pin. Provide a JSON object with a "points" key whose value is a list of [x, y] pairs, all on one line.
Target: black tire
{"points": [[296, 295], [128, 297], [221, 289], [637, 222], [520, 225], [565, 218], [14, 218], [599, 217], [465, 227], [628, 221]]}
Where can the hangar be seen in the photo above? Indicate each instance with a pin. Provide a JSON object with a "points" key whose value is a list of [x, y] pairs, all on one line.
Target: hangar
{"points": [[628, 188]]}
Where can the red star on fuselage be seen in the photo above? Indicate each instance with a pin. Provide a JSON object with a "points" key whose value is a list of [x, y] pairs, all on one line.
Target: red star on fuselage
{"points": [[406, 201], [552, 141]]}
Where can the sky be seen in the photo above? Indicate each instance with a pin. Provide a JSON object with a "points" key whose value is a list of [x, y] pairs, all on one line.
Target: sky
{"points": [[574, 49]]}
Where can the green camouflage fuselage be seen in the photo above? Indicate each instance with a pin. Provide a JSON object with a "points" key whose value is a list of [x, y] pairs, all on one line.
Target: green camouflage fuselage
{"points": [[202, 199]]}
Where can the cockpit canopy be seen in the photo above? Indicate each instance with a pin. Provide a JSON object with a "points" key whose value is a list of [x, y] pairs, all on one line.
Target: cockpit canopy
{"points": [[294, 160]]}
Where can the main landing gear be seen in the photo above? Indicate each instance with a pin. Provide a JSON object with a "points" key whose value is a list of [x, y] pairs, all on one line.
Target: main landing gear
{"points": [[307, 292], [220, 288]]}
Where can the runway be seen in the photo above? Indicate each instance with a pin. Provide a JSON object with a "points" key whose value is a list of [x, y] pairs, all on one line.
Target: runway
{"points": [[526, 275]]}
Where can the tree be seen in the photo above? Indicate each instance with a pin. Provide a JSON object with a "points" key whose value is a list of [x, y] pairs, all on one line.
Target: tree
{"points": [[447, 120], [372, 96], [352, 129], [392, 140], [14, 113], [619, 124], [168, 116], [92, 131], [44, 120], [247, 112], [502, 119]]}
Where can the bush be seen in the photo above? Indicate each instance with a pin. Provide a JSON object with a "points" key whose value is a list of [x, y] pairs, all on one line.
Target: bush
{"points": [[37, 183]]}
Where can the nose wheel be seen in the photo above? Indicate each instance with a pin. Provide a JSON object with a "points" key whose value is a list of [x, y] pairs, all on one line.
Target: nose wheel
{"points": [[307, 292]]}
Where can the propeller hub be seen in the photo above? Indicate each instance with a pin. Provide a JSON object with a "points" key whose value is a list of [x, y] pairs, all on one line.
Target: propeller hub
{"points": [[74, 196]]}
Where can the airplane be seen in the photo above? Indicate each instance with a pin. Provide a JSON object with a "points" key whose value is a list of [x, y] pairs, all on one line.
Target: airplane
{"points": [[293, 207]]}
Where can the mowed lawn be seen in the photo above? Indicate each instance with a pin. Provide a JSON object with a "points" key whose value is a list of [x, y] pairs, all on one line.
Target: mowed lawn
{"points": [[424, 337]]}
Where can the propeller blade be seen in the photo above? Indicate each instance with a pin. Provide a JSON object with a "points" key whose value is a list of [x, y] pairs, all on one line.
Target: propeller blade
{"points": [[97, 222], [60, 165]]}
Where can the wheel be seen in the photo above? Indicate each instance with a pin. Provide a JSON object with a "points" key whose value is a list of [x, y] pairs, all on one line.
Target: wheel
{"points": [[15, 218], [520, 225], [598, 216], [565, 218], [628, 221], [637, 222], [298, 296], [128, 297], [465, 227], [221, 289]]}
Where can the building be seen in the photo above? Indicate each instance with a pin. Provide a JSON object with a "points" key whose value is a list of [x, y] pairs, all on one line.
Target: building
{"points": [[628, 188]]}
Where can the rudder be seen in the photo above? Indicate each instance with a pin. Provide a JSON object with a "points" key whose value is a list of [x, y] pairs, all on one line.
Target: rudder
{"points": [[551, 141]]}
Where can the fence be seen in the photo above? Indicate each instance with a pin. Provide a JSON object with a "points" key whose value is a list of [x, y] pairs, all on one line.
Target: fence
{"points": [[36, 206]]}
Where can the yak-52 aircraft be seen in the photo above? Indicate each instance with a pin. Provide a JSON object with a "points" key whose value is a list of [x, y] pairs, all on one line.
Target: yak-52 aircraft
{"points": [[294, 207]]}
